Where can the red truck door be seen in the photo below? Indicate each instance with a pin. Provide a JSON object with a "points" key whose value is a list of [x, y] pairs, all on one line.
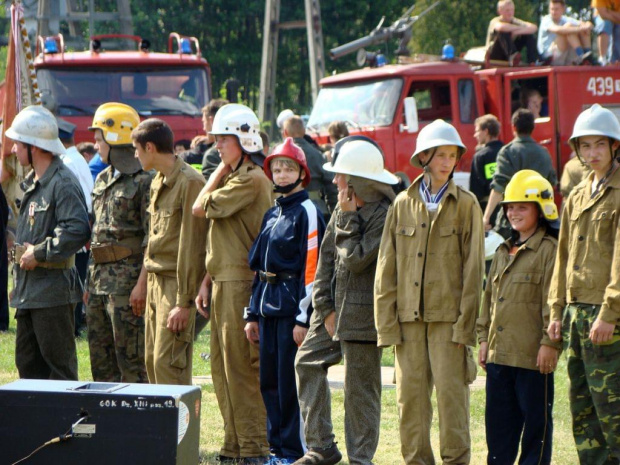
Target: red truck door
{"points": [[520, 85]]}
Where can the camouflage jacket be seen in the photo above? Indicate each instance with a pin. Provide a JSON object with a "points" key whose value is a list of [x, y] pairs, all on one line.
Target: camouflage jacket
{"points": [[346, 271], [120, 210]]}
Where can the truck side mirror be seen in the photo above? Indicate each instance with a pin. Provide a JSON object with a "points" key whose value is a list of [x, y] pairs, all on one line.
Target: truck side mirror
{"points": [[411, 116]]}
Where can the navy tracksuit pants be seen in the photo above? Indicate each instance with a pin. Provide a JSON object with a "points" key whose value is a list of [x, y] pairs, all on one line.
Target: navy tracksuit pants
{"points": [[519, 406], [278, 386]]}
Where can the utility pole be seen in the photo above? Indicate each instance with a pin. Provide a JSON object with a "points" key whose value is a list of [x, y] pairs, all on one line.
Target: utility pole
{"points": [[316, 55]]}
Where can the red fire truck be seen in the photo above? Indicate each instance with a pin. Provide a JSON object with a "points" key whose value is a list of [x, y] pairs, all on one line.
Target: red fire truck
{"points": [[391, 103], [173, 86]]}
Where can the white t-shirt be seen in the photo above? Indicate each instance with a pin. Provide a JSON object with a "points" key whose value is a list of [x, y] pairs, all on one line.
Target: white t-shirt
{"points": [[546, 38], [74, 160]]}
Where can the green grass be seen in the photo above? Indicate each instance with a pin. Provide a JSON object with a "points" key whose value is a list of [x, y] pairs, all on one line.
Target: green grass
{"points": [[388, 453]]}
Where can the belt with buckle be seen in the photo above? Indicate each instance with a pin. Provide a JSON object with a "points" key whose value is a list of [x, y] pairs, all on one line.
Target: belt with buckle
{"points": [[274, 278], [18, 250], [109, 253]]}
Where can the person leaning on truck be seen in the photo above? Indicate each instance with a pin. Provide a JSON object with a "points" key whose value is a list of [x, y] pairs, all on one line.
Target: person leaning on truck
{"points": [[584, 295], [52, 227], [484, 161], [507, 35], [521, 153], [116, 296]]}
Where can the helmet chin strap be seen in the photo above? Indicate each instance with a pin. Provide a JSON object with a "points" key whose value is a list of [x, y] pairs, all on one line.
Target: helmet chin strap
{"points": [[289, 187], [241, 160], [29, 149]]}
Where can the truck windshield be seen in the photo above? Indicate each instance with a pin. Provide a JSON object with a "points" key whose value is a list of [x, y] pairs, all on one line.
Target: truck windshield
{"points": [[178, 91], [358, 104]]}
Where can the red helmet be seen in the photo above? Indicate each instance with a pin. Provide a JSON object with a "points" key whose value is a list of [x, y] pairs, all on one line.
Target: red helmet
{"points": [[288, 149]]}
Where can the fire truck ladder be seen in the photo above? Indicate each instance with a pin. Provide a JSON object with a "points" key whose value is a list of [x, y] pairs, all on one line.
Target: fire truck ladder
{"points": [[271, 28], [82, 10]]}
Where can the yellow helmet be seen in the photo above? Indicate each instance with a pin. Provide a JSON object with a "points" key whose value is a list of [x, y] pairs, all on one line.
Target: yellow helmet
{"points": [[116, 121], [530, 186]]}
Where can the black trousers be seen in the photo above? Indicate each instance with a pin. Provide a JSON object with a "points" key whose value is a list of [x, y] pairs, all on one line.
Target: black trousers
{"points": [[518, 409], [505, 45], [278, 386], [44, 343]]}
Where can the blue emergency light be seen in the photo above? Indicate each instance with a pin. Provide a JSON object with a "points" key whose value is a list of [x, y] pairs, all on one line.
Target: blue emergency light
{"points": [[381, 60], [186, 46], [50, 45], [447, 52]]}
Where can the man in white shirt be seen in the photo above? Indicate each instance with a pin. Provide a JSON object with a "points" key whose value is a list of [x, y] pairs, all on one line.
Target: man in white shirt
{"points": [[563, 40], [74, 160]]}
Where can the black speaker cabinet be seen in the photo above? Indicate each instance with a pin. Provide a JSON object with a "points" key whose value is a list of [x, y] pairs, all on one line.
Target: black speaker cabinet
{"points": [[99, 423]]}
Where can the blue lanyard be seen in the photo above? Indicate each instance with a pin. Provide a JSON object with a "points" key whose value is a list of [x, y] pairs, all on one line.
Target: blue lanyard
{"points": [[430, 198]]}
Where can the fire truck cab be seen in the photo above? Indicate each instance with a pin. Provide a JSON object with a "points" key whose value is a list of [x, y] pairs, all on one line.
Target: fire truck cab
{"points": [[391, 103], [173, 86]]}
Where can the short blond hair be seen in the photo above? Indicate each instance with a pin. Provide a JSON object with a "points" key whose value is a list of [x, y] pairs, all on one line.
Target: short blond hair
{"points": [[294, 126], [502, 3], [285, 161]]}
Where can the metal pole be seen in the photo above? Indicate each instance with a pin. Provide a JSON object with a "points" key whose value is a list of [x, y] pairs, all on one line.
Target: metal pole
{"points": [[316, 54], [266, 104], [91, 17]]}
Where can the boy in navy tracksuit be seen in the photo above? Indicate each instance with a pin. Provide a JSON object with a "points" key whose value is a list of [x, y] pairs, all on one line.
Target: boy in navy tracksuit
{"points": [[284, 257]]}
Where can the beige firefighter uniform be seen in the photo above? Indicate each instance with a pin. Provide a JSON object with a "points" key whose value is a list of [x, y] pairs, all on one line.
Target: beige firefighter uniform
{"points": [[587, 269], [174, 259], [510, 319], [236, 211], [427, 295]]}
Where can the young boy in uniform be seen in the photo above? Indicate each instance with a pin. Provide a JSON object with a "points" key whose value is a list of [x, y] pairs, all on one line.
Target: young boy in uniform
{"points": [[585, 289], [515, 350], [284, 257], [174, 264], [235, 200], [427, 296], [342, 325]]}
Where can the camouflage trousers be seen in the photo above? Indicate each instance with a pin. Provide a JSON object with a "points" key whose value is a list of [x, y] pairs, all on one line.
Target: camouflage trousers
{"points": [[594, 387], [115, 340]]}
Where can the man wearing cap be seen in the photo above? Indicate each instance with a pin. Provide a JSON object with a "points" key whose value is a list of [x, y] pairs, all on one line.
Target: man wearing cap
{"points": [[74, 160], [52, 227], [117, 278]]}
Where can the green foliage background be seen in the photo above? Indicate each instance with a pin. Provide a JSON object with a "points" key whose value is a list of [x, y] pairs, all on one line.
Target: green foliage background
{"points": [[230, 34]]}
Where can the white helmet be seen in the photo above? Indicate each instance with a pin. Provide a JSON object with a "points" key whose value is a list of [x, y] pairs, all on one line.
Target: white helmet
{"points": [[238, 120], [283, 116], [436, 134], [360, 156], [595, 121], [36, 125], [492, 241]]}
